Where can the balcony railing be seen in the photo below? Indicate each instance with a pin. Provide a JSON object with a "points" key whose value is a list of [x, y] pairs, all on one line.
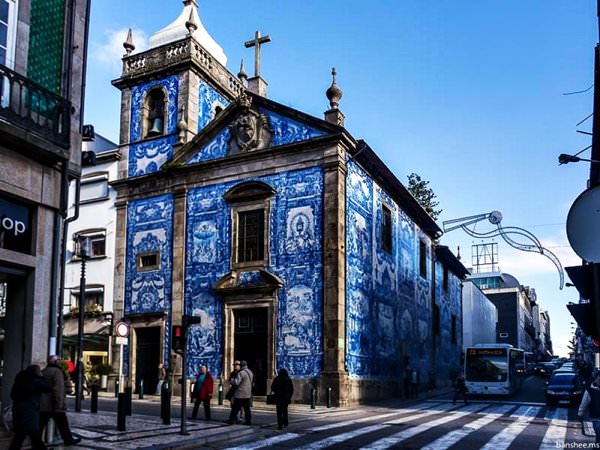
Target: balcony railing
{"points": [[34, 108]]}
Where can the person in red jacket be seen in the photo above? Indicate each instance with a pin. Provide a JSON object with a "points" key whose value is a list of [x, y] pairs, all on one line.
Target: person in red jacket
{"points": [[202, 392]]}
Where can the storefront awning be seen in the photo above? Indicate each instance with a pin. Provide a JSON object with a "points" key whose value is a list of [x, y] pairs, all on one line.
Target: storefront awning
{"points": [[584, 315]]}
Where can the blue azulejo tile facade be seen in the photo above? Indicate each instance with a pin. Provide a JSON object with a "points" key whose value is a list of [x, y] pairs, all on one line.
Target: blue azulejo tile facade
{"points": [[448, 298], [209, 101], [388, 301], [149, 232], [148, 156], [296, 256]]}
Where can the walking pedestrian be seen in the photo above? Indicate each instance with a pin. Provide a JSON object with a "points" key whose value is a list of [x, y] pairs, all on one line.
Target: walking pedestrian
{"points": [[202, 392], [243, 391], [591, 401], [162, 376], [406, 377], [232, 388], [25, 394], [414, 383], [283, 390], [460, 388], [53, 405]]}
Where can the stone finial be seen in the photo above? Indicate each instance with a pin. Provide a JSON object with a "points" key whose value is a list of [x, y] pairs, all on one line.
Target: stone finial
{"points": [[334, 93], [191, 24], [182, 125], [458, 253], [190, 2], [242, 73], [244, 100], [128, 44]]}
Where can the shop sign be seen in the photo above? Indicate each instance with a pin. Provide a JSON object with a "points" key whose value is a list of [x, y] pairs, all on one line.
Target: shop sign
{"points": [[15, 226]]}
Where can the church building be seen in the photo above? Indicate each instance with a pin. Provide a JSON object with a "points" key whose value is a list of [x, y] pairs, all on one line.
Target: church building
{"points": [[285, 237]]}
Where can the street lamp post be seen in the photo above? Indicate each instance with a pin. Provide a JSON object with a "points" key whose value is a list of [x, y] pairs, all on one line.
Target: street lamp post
{"points": [[82, 250]]}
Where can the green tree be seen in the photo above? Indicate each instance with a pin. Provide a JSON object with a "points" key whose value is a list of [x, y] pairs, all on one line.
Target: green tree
{"points": [[421, 191]]}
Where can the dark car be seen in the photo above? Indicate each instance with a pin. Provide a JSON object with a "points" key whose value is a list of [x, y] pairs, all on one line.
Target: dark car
{"points": [[564, 387], [546, 369]]}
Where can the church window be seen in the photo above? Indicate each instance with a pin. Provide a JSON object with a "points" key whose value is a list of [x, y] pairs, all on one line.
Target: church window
{"points": [[148, 261], [454, 329], [250, 205], [386, 229], [251, 235], [445, 279], [423, 258], [154, 113], [435, 320]]}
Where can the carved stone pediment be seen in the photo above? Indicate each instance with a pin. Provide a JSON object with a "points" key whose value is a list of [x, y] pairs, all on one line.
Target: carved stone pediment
{"points": [[250, 131], [254, 281]]}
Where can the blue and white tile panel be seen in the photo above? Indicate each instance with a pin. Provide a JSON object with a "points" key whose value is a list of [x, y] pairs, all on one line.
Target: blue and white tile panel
{"points": [[296, 255]]}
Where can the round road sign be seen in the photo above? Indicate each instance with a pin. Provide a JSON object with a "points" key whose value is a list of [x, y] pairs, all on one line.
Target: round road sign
{"points": [[122, 329]]}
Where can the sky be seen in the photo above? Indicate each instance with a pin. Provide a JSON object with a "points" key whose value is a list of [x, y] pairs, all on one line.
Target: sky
{"points": [[469, 94]]}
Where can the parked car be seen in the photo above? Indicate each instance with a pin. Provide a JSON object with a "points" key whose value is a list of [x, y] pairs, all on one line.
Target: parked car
{"points": [[546, 369], [564, 387]]}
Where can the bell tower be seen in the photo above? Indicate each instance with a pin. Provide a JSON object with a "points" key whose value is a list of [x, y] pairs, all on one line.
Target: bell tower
{"points": [[170, 92]]}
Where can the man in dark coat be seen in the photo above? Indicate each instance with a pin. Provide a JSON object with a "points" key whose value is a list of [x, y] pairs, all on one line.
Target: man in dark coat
{"points": [[53, 405], [591, 401], [25, 394], [202, 392], [283, 389]]}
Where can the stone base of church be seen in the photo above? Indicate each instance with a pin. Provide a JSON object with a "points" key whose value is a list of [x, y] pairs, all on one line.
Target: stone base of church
{"points": [[345, 391]]}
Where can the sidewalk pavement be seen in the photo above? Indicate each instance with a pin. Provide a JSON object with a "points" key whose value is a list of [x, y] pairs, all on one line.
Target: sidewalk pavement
{"points": [[99, 431]]}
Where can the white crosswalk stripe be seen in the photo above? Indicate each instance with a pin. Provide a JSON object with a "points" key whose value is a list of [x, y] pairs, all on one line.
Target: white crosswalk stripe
{"points": [[557, 430], [418, 420], [396, 438], [267, 442], [431, 409], [342, 437], [502, 440], [454, 436]]}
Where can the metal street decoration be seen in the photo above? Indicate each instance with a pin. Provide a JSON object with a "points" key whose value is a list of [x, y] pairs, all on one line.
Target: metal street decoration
{"points": [[506, 233]]}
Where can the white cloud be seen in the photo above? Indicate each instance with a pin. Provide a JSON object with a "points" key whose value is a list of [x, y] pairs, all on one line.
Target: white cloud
{"points": [[110, 52]]}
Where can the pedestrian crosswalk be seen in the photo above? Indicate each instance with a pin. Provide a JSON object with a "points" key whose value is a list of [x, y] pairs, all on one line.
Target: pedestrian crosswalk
{"points": [[433, 425]]}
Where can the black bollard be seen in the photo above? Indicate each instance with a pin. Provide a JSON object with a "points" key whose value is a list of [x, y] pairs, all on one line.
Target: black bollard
{"points": [[116, 387], [141, 390], [121, 407], [128, 396], [165, 403], [220, 392], [313, 398], [94, 400], [329, 397]]}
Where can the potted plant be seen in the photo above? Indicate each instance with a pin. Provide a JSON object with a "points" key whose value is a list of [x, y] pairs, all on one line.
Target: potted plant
{"points": [[103, 370]]}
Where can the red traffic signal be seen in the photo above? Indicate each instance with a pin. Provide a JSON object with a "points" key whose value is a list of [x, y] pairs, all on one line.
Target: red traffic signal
{"points": [[178, 339]]}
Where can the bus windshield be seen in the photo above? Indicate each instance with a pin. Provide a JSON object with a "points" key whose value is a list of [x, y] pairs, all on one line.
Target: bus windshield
{"points": [[486, 365]]}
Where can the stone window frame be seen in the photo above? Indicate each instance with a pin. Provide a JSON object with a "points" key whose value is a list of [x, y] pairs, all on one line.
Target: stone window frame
{"points": [[422, 258], [146, 125], [387, 233], [250, 196], [149, 268]]}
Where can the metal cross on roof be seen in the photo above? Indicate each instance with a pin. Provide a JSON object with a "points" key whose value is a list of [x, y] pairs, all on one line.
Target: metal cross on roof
{"points": [[256, 43]]}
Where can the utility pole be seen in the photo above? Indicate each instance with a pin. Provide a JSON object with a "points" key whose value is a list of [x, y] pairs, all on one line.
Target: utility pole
{"points": [[595, 168]]}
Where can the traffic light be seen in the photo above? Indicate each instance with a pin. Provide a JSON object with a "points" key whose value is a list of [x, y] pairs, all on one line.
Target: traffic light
{"points": [[178, 338]]}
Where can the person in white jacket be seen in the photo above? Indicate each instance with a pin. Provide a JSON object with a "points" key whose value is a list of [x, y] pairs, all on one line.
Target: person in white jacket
{"points": [[591, 401]]}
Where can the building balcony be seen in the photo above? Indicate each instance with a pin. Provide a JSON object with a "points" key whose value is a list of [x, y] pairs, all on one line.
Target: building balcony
{"points": [[32, 117]]}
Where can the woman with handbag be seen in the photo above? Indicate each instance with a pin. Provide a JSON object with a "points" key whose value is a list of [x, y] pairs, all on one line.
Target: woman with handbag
{"points": [[202, 392], [282, 390]]}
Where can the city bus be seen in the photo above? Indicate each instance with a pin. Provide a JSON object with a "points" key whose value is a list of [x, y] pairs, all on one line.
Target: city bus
{"points": [[494, 369]]}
